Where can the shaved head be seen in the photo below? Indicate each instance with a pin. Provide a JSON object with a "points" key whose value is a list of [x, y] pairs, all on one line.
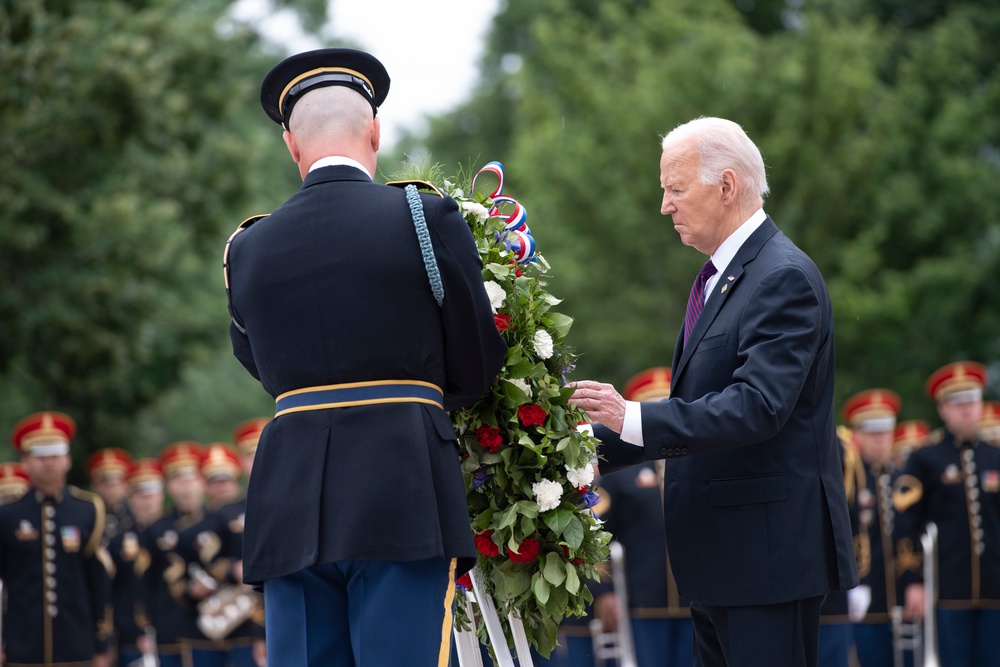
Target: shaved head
{"points": [[333, 113]]}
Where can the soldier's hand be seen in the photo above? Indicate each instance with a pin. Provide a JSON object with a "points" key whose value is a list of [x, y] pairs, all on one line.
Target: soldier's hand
{"points": [[601, 402], [198, 590], [260, 652], [913, 608], [145, 644], [101, 660], [238, 571], [606, 610]]}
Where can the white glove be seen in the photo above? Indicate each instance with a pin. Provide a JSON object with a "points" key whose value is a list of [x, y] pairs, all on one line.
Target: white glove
{"points": [[859, 599]]}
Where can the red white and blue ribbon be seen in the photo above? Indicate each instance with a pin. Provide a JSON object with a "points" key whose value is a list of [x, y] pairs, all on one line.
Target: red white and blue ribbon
{"points": [[516, 236]]}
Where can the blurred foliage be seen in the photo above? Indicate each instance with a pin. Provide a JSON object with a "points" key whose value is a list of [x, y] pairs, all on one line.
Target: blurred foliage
{"points": [[878, 123], [132, 145]]}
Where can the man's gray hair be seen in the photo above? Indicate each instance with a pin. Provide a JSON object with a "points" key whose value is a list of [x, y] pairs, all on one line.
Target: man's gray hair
{"points": [[722, 144], [330, 112]]}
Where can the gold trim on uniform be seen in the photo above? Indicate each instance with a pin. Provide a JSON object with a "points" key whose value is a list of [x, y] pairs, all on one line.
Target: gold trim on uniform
{"points": [[906, 492]]}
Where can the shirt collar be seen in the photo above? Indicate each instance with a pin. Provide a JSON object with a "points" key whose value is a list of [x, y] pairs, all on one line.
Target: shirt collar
{"points": [[727, 251], [336, 160]]}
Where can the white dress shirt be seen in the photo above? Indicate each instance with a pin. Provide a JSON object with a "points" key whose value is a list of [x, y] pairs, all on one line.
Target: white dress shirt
{"points": [[335, 160]]}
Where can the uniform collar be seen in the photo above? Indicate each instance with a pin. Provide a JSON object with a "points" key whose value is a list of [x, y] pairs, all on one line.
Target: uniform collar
{"points": [[338, 160]]}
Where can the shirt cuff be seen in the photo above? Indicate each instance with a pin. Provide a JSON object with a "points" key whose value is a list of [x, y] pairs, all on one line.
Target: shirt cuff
{"points": [[632, 426]]}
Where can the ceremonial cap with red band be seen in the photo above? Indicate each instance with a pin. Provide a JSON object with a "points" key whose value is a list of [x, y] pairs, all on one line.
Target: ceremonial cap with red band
{"points": [[959, 382], [110, 463], [872, 410], [911, 433], [44, 434], [145, 475], [296, 75], [13, 478], [991, 414], [247, 434], [651, 384], [181, 458], [220, 462]]}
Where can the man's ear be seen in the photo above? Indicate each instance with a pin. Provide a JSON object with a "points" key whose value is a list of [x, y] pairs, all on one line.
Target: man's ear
{"points": [[293, 145], [730, 186], [376, 134]]}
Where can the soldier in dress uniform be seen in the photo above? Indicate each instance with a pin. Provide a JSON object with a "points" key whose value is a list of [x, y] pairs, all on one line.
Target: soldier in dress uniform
{"points": [[13, 482], [222, 470], [954, 481], [183, 547], [989, 425], [107, 469], [632, 508], [52, 563], [909, 435], [361, 308], [145, 505], [871, 415]]}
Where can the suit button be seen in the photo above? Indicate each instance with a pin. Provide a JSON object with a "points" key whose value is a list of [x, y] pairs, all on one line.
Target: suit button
{"points": [[684, 450], [663, 451]]}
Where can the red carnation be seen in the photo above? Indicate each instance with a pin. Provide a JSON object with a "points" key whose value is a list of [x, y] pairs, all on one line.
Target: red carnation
{"points": [[526, 552], [465, 581], [517, 269], [531, 415], [489, 437], [485, 545], [581, 489], [502, 321], [577, 561]]}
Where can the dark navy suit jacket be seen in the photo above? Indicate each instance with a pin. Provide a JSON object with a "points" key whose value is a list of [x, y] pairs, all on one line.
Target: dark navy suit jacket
{"points": [[331, 288], [754, 501]]}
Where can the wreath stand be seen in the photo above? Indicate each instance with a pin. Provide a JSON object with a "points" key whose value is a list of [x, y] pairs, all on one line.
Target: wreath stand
{"points": [[466, 641]]}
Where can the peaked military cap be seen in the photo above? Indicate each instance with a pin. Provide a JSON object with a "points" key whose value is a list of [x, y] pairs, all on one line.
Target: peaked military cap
{"points": [[296, 75], [872, 410], [109, 463], [651, 384], [958, 382], [44, 434]]}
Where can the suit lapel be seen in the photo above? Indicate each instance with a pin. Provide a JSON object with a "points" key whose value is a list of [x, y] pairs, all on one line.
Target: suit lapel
{"points": [[721, 293]]}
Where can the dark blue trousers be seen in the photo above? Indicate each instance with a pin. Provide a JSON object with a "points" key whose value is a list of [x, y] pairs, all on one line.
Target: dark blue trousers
{"points": [[874, 644], [777, 635], [361, 614], [835, 644], [968, 638], [663, 642]]}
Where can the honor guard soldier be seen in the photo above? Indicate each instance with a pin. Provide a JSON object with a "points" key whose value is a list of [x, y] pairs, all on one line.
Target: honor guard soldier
{"points": [[108, 468], [145, 505], [632, 508], [909, 435], [871, 415], [52, 563], [989, 425], [954, 481], [361, 309], [183, 547], [13, 482], [244, 632]]}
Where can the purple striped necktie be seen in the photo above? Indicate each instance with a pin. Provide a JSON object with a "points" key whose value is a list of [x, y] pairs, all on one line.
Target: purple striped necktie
{"points": [[696, 300]]}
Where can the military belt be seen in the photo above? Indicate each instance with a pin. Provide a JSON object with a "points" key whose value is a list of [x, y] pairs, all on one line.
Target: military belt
{"points": [[358, 393]]}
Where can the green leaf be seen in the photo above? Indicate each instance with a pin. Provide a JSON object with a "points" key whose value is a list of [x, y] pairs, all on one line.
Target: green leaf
{"points": [[573, 533], [517, 583], [508, 518], [553, 570], [572, 579], [558, 519], [540, 588], [558, 324]]}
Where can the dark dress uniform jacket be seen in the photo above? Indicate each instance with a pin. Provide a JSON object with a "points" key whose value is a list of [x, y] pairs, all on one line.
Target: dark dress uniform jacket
{"points": [[754, 499], [957, 486], [331, 288], [58, 589]]}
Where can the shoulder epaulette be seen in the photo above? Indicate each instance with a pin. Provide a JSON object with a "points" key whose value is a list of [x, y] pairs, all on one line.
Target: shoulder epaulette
{"points": [[421, 185], [99, 517], [225, 262]]}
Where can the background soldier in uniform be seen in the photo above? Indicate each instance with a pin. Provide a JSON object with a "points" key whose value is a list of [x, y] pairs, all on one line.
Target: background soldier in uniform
{"points": [[51, 559], [365, 336], [145, 504], [871, 415], [108, 468], [989, 425], [954, 481], [909, 435]]}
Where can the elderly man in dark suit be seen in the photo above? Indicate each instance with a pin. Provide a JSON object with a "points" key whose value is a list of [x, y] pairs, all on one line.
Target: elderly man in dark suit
{"points": [[361, 308], [755, 511]]}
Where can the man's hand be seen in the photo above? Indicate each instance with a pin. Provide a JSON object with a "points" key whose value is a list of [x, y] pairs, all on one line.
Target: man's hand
{"points": [[260, 652], [601, 402], [101, 660], [913, 609], [606, 610], [198, 591], [859, 599]]}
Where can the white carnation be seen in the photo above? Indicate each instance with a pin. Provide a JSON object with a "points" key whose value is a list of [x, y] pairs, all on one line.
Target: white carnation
{"points": [[520, 384], [580, 477], [547, 494], [480, 211], [543, 344], [495, 293]]}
